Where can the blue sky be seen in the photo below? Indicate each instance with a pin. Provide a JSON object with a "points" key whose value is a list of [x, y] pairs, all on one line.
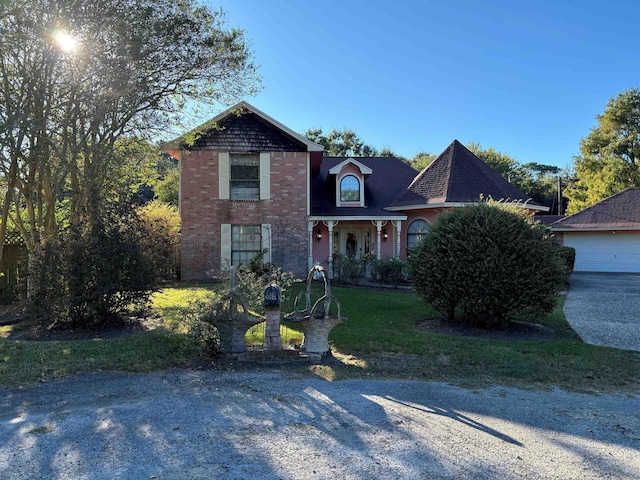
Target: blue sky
{"points": [[526, 78]]}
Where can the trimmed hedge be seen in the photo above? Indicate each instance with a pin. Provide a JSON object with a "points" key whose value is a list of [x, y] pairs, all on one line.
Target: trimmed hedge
{"points": [[568, 256], [488, 263]]}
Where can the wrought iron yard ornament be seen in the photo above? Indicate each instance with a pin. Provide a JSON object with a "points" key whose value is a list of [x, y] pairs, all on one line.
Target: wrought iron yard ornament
{"points": [[232, 318], [316, 321]]}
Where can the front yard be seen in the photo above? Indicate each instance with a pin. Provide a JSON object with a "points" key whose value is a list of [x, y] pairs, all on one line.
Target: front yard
{"points": [[381, 339]]}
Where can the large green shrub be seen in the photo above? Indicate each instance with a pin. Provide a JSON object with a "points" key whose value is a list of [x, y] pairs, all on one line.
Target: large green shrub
{"points": [[161, 223], [488, 263], [96, 273]]}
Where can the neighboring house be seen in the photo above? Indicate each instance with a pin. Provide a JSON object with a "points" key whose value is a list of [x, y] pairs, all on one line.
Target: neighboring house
{"points": [[251, 186], [606, 236]]}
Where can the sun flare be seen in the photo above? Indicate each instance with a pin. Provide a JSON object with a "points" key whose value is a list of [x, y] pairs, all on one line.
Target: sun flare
{"points": [[65, 41]]}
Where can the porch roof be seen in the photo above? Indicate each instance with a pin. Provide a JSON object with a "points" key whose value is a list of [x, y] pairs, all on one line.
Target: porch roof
{"points": [[357, 218]]}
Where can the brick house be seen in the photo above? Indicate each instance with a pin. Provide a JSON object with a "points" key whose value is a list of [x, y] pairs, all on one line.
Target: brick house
{"points": [[251, 186]]}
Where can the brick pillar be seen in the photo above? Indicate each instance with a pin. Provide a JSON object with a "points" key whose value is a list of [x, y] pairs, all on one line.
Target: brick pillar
{"points": [[272, 340]]}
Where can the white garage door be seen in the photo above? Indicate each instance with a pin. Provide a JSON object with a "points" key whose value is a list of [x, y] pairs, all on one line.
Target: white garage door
{"points": [[605, 252]]}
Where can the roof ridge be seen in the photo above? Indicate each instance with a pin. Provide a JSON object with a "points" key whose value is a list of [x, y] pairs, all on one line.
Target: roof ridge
{"points": [[451, 164], [596, 208]]}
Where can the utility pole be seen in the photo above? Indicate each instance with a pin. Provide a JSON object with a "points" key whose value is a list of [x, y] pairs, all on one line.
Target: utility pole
{"points": [[559, 195]]}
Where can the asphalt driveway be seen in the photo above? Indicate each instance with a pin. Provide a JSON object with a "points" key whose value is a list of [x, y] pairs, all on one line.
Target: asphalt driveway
{"points": [[604, 308]]}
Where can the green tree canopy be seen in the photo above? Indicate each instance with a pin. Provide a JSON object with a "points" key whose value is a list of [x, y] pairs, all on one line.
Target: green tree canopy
{"points": [[422, 160], [167, 190], [609, 159], [76, 76], [537, 180], [80, 82], [341, 143], [507, 166]]}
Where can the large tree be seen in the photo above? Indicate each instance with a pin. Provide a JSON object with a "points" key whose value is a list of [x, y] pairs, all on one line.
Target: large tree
{"points": [[422, 160], [609, 159], [537, 180], [342, 143], [77, 76]]}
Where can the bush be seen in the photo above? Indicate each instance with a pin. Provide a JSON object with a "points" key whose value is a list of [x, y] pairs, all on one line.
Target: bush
{"points": [[490, 263], [568, 256], [349, 269], [208, 324], [200, 321], [161, 223], [388, 271], [95, 273]]}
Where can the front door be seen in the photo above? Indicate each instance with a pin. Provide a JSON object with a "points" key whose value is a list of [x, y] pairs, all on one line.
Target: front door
{"points": [[353, 241]]}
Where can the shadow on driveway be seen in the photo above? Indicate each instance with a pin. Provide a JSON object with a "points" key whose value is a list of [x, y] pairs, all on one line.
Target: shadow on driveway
{"points": [[207, 424]]}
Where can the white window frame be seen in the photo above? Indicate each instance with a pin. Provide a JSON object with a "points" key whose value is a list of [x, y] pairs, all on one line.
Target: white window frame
{"points": [[224, 176], [226, 247], [349, 203], [251, 196], [254, 238]]}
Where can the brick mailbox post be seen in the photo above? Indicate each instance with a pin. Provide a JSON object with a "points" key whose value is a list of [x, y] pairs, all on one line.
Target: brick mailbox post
{"points": [[272, 339]]}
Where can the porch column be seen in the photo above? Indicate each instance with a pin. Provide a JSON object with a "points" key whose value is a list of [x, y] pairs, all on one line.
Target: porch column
{"points": [[310, 225], [330, 224], [398, 225], [378, 225]]}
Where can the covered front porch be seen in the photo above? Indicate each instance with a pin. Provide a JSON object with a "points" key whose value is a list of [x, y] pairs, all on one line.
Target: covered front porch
{"points": [[331, 238]]}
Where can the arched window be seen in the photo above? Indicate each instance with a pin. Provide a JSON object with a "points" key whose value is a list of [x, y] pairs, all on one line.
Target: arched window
{"points": [[349, 189], [416, 232]]}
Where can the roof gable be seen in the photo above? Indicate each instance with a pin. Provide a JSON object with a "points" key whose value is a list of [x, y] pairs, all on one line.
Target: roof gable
{"points": [[618, 212], [244, 128], [457, 176], [364, 170]]}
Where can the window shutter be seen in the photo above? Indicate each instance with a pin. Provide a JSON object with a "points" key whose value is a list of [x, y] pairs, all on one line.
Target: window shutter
{"points": [[225, 245], [265, 176], [223, 177], [266, 241]]}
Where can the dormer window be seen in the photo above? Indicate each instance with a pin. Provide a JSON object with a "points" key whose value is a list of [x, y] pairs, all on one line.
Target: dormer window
{"points": [[350, 176], [349, 189]]}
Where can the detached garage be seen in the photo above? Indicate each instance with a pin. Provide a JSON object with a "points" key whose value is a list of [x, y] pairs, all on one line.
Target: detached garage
{"points": [[606, 236]]}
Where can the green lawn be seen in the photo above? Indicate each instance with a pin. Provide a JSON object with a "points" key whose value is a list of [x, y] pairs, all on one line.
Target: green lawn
{"points": [[379, 340]]}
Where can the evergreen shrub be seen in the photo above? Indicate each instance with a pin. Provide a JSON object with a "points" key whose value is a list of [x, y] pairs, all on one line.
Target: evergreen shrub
{"points": [[568, 256], [487, 264]]}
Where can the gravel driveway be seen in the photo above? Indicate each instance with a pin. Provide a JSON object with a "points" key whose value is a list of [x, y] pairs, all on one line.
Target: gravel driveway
{"points": [[604, 309], [187, 424]]}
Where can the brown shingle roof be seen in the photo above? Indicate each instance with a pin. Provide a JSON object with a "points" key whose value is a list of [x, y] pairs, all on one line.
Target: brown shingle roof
{"points": [[458, 176], [390, 175], [547, 219], [619, 211]]}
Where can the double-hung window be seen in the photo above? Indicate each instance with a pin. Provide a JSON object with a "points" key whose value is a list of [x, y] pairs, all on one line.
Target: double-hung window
{"points": [[244, 179], [246, 243]]}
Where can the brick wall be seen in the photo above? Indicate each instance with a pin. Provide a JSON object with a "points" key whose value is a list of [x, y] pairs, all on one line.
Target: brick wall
{"points": [[202, 213]]}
